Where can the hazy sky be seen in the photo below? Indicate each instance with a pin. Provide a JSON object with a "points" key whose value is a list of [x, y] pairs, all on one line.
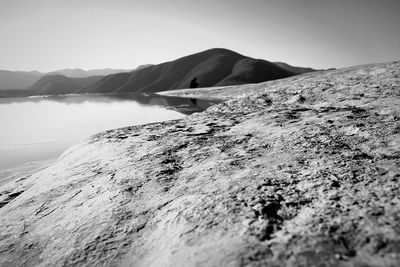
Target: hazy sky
{"points": [[52, 34]]}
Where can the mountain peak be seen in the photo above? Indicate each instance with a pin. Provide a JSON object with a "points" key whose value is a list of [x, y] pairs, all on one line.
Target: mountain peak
{"points": [[212, 67], [218, 50]]}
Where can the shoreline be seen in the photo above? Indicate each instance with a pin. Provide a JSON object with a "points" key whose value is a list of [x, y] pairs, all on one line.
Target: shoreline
{"points": [[23, 171], [303, 169], [9, 173]]}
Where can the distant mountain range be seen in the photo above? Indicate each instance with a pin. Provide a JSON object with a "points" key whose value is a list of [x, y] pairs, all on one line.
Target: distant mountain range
{"points": [[79, 73], [26, 79], [18, 79], [59, 84], [213, 67]]}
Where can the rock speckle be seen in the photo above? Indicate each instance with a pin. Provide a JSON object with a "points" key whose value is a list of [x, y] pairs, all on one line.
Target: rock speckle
{"points": [[302, 171]]}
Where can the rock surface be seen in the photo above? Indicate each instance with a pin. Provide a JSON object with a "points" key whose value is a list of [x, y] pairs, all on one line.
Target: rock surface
{"points": [[301, 172]]}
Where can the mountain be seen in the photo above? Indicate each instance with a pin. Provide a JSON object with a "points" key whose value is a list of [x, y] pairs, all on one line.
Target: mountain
{"points": [[11, 80], [80, 73], [18, 79], [60, 84], [214, 67]]}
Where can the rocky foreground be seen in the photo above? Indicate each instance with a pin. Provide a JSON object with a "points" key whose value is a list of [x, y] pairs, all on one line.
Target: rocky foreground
{"points": [[302, 172]]}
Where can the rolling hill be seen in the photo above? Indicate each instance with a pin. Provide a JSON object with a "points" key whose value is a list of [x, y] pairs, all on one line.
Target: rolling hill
{"points": [[59, 84], [18, 79], [22, 80], [214, 67]]}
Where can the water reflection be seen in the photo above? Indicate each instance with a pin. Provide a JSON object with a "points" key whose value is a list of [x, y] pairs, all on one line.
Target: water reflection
{"points": [[185, 106], [35, 129]]}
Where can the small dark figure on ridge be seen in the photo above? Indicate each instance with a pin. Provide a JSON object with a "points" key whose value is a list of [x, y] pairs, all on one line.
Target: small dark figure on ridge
{"points": [[194, 83]]}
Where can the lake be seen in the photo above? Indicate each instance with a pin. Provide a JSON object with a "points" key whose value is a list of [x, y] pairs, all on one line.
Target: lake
{"points": [[36, 130]]}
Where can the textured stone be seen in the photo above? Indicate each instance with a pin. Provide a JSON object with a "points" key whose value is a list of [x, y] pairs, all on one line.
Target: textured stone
{"points": [[302, 171]]}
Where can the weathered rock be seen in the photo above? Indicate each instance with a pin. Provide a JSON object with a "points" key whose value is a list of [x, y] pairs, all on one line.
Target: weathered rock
{"points": [[301, 172]]}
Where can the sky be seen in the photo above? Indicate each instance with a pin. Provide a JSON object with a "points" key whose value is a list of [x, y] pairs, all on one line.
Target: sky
{"points": [[47, 35]]}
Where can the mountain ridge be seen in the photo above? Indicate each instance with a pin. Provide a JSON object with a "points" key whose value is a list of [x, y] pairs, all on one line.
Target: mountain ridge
{"points": [[22, 80], [57, 84], [81, 73], [14, 80], [212, 67]]}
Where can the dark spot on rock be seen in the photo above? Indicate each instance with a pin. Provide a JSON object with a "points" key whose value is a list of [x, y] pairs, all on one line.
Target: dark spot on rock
{"points": [[333, 229], [129, 189], [357, 110], [271, 209], [140, 227], [168, 160], [335, 184], [9, 198], [266, 233], [376, 212], [361, 155], [335, 198], [14, 195]]}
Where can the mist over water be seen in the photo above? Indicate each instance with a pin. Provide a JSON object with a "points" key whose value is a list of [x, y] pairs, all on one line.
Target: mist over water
{"points": [[41, 128]]}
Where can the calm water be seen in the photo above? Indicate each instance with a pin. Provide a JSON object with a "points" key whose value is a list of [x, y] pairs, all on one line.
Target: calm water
{"points": [[37, 129]]}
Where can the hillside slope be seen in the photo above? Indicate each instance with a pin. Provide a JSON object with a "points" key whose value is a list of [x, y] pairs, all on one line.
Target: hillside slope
{"points": [[294, 69], [18, 79], [214, 67], [302, 171], [59, 84]]}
